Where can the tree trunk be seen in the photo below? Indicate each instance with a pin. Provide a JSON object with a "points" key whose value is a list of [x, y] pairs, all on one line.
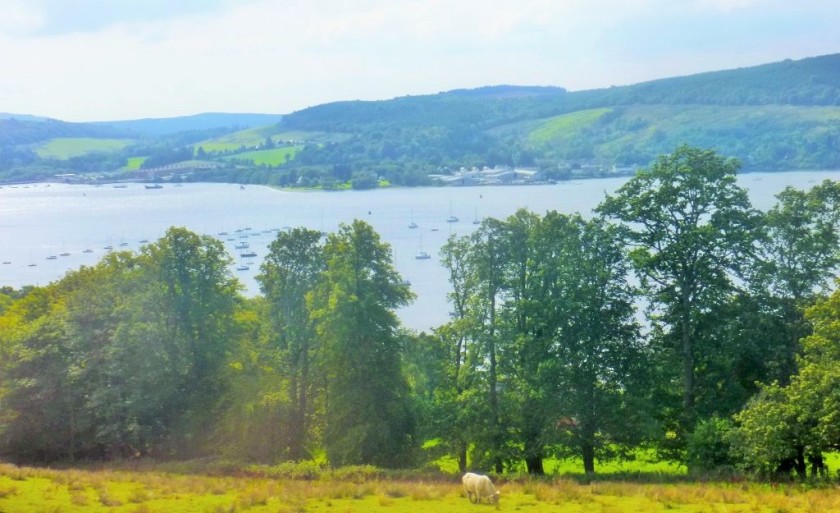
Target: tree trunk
{"points": [[688, 358], [462, 458], [535, 465], [587, 438], [588, 451], [801, 466]]}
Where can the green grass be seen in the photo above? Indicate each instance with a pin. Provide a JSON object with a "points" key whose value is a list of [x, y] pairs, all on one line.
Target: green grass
{"points": [[256, 136], [559, 127], [150, 490], [643, 463], [273, 157], [134, 163], [63, 148], [248, 138]]}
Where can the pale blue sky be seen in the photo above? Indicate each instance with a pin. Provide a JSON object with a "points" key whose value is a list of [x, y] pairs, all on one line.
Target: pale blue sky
{"points": [[82, 60]]}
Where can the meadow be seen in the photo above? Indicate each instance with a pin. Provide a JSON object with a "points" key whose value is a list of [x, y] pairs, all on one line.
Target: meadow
{"points": [[64, 148], [272, 157], [151, 490], [134, 163]]}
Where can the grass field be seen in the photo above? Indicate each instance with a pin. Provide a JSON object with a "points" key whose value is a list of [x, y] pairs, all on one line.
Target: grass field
{"points": [[29, 490], [256, 136], [559, 127], [134, 163], [68, 147], [248, 138], [273, 157]]}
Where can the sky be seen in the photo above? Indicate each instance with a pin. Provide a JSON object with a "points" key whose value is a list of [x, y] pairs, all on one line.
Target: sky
{"points": [[102, 60]]}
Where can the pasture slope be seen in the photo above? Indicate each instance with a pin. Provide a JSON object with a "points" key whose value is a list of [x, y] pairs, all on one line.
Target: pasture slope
{"points": [[31, 490], [63, 148]]}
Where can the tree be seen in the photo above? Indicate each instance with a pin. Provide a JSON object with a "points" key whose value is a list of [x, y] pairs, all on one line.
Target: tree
{"points": [[584, 320], [800, 259], [543, 324], [368, 420], [290, 272], [487, 260], [457, 411], [189, 307], [787, 427], [691, 229], [35, 378]]}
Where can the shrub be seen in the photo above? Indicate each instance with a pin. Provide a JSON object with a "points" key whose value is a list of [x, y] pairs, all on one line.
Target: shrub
{"points": [[708, 447], [357, 473], [303, 470]]}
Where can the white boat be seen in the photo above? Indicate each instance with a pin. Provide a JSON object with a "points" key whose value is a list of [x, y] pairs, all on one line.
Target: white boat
{"points": [[451, 219], [412, 225], [242, 268], [154, 186], [241, 245], [250, 254], [422, 255]]}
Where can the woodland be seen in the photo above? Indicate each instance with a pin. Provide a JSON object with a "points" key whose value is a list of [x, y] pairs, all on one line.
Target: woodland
{"points": [[677, 319]]}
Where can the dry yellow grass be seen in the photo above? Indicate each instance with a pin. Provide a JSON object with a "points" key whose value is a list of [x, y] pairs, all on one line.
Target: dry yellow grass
{"points": [[25, 490]]}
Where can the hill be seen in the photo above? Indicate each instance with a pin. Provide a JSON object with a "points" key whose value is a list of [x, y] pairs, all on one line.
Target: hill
{"points": [[197, 122], [783, 115], [775, 116]]}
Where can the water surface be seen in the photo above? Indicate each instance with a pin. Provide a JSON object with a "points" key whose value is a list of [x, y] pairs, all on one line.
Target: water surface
{"points": [[41, 221]]}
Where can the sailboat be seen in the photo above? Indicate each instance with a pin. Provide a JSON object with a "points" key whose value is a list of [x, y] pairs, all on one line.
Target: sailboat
{"points": [[422, 255], [451, 218]]}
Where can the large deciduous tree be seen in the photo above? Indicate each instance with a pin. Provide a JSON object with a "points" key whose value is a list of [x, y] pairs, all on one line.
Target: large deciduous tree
{"points": [[691, 228], [544, 343], [368, 419], [589, 353], [291, 270], [786, 428]]}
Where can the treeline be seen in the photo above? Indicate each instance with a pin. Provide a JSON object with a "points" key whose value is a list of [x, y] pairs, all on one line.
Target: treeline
{"points": [[731, 364]]}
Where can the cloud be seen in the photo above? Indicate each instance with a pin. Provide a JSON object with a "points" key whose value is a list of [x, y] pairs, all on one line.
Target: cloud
{"points": [[19, 17], [283, 55]]}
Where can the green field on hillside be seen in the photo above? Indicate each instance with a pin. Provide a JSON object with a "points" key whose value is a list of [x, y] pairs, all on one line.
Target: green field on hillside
{"points": [[255, 137], [560, 127], [64, 148], [249, 138], [134, 163], [273, 157]]}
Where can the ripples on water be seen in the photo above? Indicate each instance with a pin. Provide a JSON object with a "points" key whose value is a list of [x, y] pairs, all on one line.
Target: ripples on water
{"points": [[47, 229]]}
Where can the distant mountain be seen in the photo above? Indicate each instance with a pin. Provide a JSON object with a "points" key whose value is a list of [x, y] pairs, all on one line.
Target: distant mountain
{"points": [[778, 116], [813, 81], [197, 122], [23, 117], [809, 81], [18, 131], [784, 115]]}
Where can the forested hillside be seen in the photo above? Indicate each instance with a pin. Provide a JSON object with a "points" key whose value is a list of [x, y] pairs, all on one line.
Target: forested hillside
{"points": [[778, 116]]}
